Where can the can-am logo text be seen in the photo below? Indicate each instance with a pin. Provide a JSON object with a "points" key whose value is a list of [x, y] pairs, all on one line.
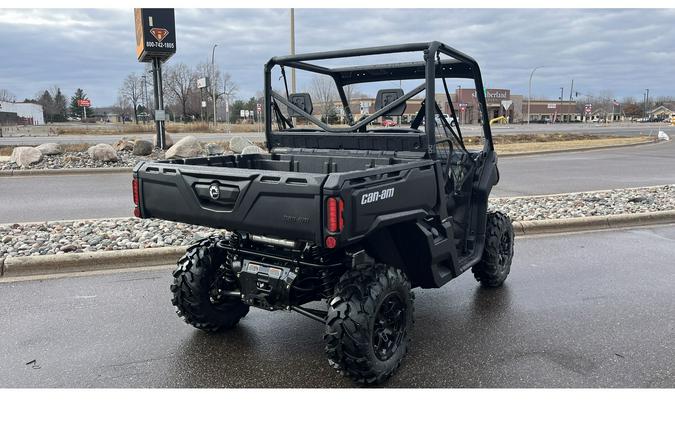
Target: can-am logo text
{"points": [[368, 198]]}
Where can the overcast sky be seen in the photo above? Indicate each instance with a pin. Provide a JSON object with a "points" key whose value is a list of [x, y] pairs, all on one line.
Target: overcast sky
{"points": [[617, 51]]}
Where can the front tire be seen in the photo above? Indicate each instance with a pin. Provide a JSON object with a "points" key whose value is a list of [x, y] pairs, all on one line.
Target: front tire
{"points": [[495, 264], [197, 278], [368, 323]]}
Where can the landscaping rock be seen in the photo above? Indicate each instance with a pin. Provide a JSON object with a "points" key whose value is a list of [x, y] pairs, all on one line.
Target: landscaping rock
{"points": [[187, 147], [253, 149], [50, 149], [103, 152], [124, 144], [25, 156], [215, 149], [142, 147], [168, 140], [237, 144]]}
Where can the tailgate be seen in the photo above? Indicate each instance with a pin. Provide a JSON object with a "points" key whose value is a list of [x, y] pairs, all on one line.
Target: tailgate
{"points": [[274, 203]]}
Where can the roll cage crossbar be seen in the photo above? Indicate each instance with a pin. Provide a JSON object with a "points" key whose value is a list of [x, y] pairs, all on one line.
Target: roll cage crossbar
{"points": [[459, 65]]}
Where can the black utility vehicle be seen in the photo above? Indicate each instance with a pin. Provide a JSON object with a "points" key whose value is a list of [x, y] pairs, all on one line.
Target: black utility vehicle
{"points": [[354, 215]]}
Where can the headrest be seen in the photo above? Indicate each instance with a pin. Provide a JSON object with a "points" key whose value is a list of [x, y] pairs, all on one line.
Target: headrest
{"points": [[301, 100], [388, 96]]}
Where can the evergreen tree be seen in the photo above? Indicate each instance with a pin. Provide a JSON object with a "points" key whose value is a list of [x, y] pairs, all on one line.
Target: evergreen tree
{"points": [[47, 103], [75, 109], [60, 106]]}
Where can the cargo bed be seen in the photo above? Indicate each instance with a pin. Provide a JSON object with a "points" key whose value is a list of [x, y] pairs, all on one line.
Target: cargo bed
{"points": [[278, 194]]}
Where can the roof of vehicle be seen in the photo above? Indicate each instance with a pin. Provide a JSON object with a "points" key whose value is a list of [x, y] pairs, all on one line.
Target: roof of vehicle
{"points": [[459, 66]]}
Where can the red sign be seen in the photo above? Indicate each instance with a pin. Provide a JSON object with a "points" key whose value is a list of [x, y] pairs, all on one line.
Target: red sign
{"points": [[259, 107], [159, 33], [83, 103]]}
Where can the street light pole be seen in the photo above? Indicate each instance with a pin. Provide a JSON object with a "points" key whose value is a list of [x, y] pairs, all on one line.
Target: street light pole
{"points": [[529, 93], [213, 81], [292, 49]]}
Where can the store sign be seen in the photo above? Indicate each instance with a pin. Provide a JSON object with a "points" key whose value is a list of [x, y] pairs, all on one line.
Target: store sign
{"points": [[83, 103], [155, 34], [552, 106], [492, 96]]}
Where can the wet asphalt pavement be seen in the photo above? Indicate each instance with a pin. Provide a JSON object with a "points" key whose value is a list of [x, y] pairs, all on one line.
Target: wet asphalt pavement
{"points": [[581, 310]]}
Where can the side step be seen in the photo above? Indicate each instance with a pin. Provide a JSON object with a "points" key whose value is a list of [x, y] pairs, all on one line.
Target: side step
{"points": [[442, 254]]}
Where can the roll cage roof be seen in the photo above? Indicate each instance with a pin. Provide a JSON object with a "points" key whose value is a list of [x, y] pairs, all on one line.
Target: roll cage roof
{"points": [[432, 67]]}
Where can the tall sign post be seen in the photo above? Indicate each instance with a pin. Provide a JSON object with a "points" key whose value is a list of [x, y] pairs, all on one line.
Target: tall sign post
{"points": [[156, 43], [84, 104]]}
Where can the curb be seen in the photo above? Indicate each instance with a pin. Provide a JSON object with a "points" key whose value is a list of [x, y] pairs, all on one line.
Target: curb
{"points": [[12, 267], [64, 172], [559, 151], [605, 222], [79, 262]]}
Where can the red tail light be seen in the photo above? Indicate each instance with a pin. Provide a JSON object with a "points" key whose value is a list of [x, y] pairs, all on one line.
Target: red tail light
{"points": [[134, 188], [137, 196], [341, 210], [335, 207]]}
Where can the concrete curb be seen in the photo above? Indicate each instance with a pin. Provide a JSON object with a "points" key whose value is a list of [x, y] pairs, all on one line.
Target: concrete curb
{"points": [[560, 151], [604, 222], [65, 172], [76, 262], [13, 267]]}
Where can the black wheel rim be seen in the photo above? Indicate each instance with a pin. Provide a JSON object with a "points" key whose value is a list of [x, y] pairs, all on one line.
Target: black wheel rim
{"points": [[389, 328], [504, 248]]}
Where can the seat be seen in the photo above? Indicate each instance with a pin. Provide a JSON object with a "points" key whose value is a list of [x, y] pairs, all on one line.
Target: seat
{"points": [[387, 96], [303, 101]]}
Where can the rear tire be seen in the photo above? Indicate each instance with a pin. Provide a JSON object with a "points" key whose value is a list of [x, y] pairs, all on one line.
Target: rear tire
{"points": [[368, 323], [196, 280], [495, 264]]}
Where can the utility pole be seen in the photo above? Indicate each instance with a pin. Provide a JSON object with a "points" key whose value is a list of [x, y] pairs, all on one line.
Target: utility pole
{"points": [[571, 90], [562, 90], [292, 49], [529, 93], [213, 82], [646, 101]]}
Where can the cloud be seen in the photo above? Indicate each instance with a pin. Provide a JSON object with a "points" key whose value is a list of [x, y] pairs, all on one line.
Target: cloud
{"points": [[618, 51]]}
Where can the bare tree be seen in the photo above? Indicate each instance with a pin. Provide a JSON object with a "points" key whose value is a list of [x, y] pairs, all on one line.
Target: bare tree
{"points": [[5, 95], [132, 91], [122, 107], [229, 90], [324, 92], [181, 85]]}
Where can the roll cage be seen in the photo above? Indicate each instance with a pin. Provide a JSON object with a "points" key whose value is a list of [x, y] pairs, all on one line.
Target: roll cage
{"points": [[354, 136]]}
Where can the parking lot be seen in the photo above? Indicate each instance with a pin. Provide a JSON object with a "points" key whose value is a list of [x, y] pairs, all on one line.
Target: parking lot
{"points": [[605, 321]]}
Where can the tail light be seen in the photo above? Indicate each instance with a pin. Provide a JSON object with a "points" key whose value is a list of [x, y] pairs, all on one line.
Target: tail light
{"points": [[336, 207], [335, 219], [134, 188]]}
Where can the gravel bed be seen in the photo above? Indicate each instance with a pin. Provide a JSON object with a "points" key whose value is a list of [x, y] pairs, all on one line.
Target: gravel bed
{"points": [[69, 160], [133, 233], [587, 204]]}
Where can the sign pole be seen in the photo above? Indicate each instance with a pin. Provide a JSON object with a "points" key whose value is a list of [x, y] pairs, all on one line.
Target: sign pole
{"points": [[159, 100], [156, 42]]}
